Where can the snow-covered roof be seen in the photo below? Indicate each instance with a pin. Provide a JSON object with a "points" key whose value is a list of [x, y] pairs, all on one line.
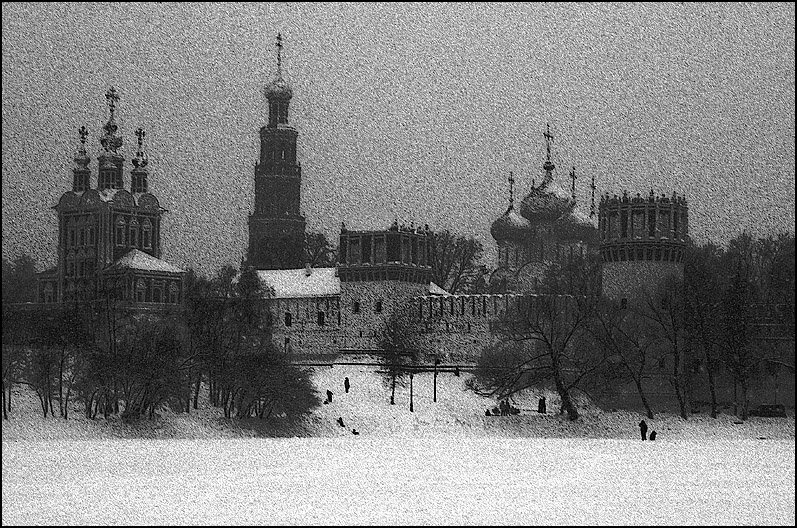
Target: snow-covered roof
{"points": [[434, 289], [321, 282], [138, 260]]}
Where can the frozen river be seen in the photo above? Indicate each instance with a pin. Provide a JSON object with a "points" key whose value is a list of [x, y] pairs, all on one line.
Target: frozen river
{"points": [[367, 480]]}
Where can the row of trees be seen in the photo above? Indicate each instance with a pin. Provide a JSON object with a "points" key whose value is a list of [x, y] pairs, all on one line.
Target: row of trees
{"points": [[732, 314], [116, 361]]}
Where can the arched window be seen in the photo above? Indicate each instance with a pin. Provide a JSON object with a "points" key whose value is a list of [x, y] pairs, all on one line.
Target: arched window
{"points": [[141, 290], [134, 233], [288, 319], [355, 307], [378, 307], [173, 293], [146, 234], [321, 318], [91, 234], [120, 231]]}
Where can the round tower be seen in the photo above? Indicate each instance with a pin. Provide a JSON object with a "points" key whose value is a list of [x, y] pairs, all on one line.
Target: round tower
{"points": [[642, 242]]}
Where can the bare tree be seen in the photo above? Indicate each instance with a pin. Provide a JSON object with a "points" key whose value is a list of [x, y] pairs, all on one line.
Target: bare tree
{"points": [[455, 265]]}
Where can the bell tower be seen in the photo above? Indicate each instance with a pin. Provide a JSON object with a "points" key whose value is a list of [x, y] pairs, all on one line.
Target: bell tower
{"points": [[276, 227]]}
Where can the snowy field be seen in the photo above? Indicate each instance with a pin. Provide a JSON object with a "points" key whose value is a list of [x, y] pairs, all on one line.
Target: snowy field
{"points": [[368, 480]]}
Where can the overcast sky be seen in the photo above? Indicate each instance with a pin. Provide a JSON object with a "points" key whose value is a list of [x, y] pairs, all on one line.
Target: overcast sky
{"points": [[416, 111]]}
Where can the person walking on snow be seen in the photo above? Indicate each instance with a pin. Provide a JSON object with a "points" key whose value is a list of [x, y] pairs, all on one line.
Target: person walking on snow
{"points": [[329, 396], [346, 385], [643, 428]]}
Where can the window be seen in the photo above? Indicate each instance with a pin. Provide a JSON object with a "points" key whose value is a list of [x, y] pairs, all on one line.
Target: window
{"points": [[173, 297], [623, 303], [120, 232], [141, 290], [146, 235], [70, 268], [91, 235], [82, 236], [355, 307], [71, 238], [156, 294], [321, 317], [288, 319], [134, 233], [378, 307]]}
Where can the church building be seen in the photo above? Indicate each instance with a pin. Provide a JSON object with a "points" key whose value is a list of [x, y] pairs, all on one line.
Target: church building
{"points": [[109, 238]]}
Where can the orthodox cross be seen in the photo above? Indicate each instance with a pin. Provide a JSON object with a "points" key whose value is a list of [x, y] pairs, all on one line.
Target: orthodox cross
{"points": [[548, 139], [112, 98], [592, 206], [83, 135], [573, 184], [140, 133], [511, 189], [279, 53]]}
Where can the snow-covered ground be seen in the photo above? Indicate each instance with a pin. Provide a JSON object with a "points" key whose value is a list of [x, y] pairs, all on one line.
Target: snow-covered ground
{"points": [[444, 463], [398, 480]]}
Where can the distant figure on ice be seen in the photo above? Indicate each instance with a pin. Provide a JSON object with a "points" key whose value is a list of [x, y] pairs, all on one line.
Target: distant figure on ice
{"points": [[653, 436], [340, 421], [504, 406], [643, 428], [329, 396], [354, 431], [487, 412], [541, 405], [346, 385]]}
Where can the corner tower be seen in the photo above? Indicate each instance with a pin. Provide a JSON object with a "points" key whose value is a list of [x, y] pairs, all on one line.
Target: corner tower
{"points": [[276, 227], [642, 241]]}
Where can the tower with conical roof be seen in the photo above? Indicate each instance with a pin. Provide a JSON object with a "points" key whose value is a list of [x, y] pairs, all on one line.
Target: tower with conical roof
{"points": [[276, 227]]}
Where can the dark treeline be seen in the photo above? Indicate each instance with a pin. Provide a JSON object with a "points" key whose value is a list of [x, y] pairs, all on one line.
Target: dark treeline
{"points": [[115, 361], [732, 316]]}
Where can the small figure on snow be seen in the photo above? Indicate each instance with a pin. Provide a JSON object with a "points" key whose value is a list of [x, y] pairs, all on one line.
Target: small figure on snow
{"points": [[653, 436], [340, 421], [354, 431], [541, 405], [643, 428], [346, 385], [329, 396], [487, 412]]}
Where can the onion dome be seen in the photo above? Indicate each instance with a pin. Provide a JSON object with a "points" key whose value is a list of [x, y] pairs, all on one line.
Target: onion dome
{"points": [[510, 226], [546, 203], [278, 89], [576, 226]]}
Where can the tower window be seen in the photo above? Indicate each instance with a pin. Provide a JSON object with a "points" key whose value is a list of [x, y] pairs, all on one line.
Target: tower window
{"points": [[71, 238], [623, 303], [378, 307], [288, 319], [146, 235], [133, 236], [82, 237], [91, 235], [355, 308], [120, 232], [321, 318]]}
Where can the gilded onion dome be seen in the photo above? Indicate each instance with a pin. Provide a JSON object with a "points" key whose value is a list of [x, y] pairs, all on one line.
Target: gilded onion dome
{"points": [[546, 203], [510, 226], [279, 87], [576, 226]]}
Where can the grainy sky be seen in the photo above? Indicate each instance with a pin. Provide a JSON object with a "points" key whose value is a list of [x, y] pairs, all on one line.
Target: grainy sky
{"points": [[411, 110]]}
